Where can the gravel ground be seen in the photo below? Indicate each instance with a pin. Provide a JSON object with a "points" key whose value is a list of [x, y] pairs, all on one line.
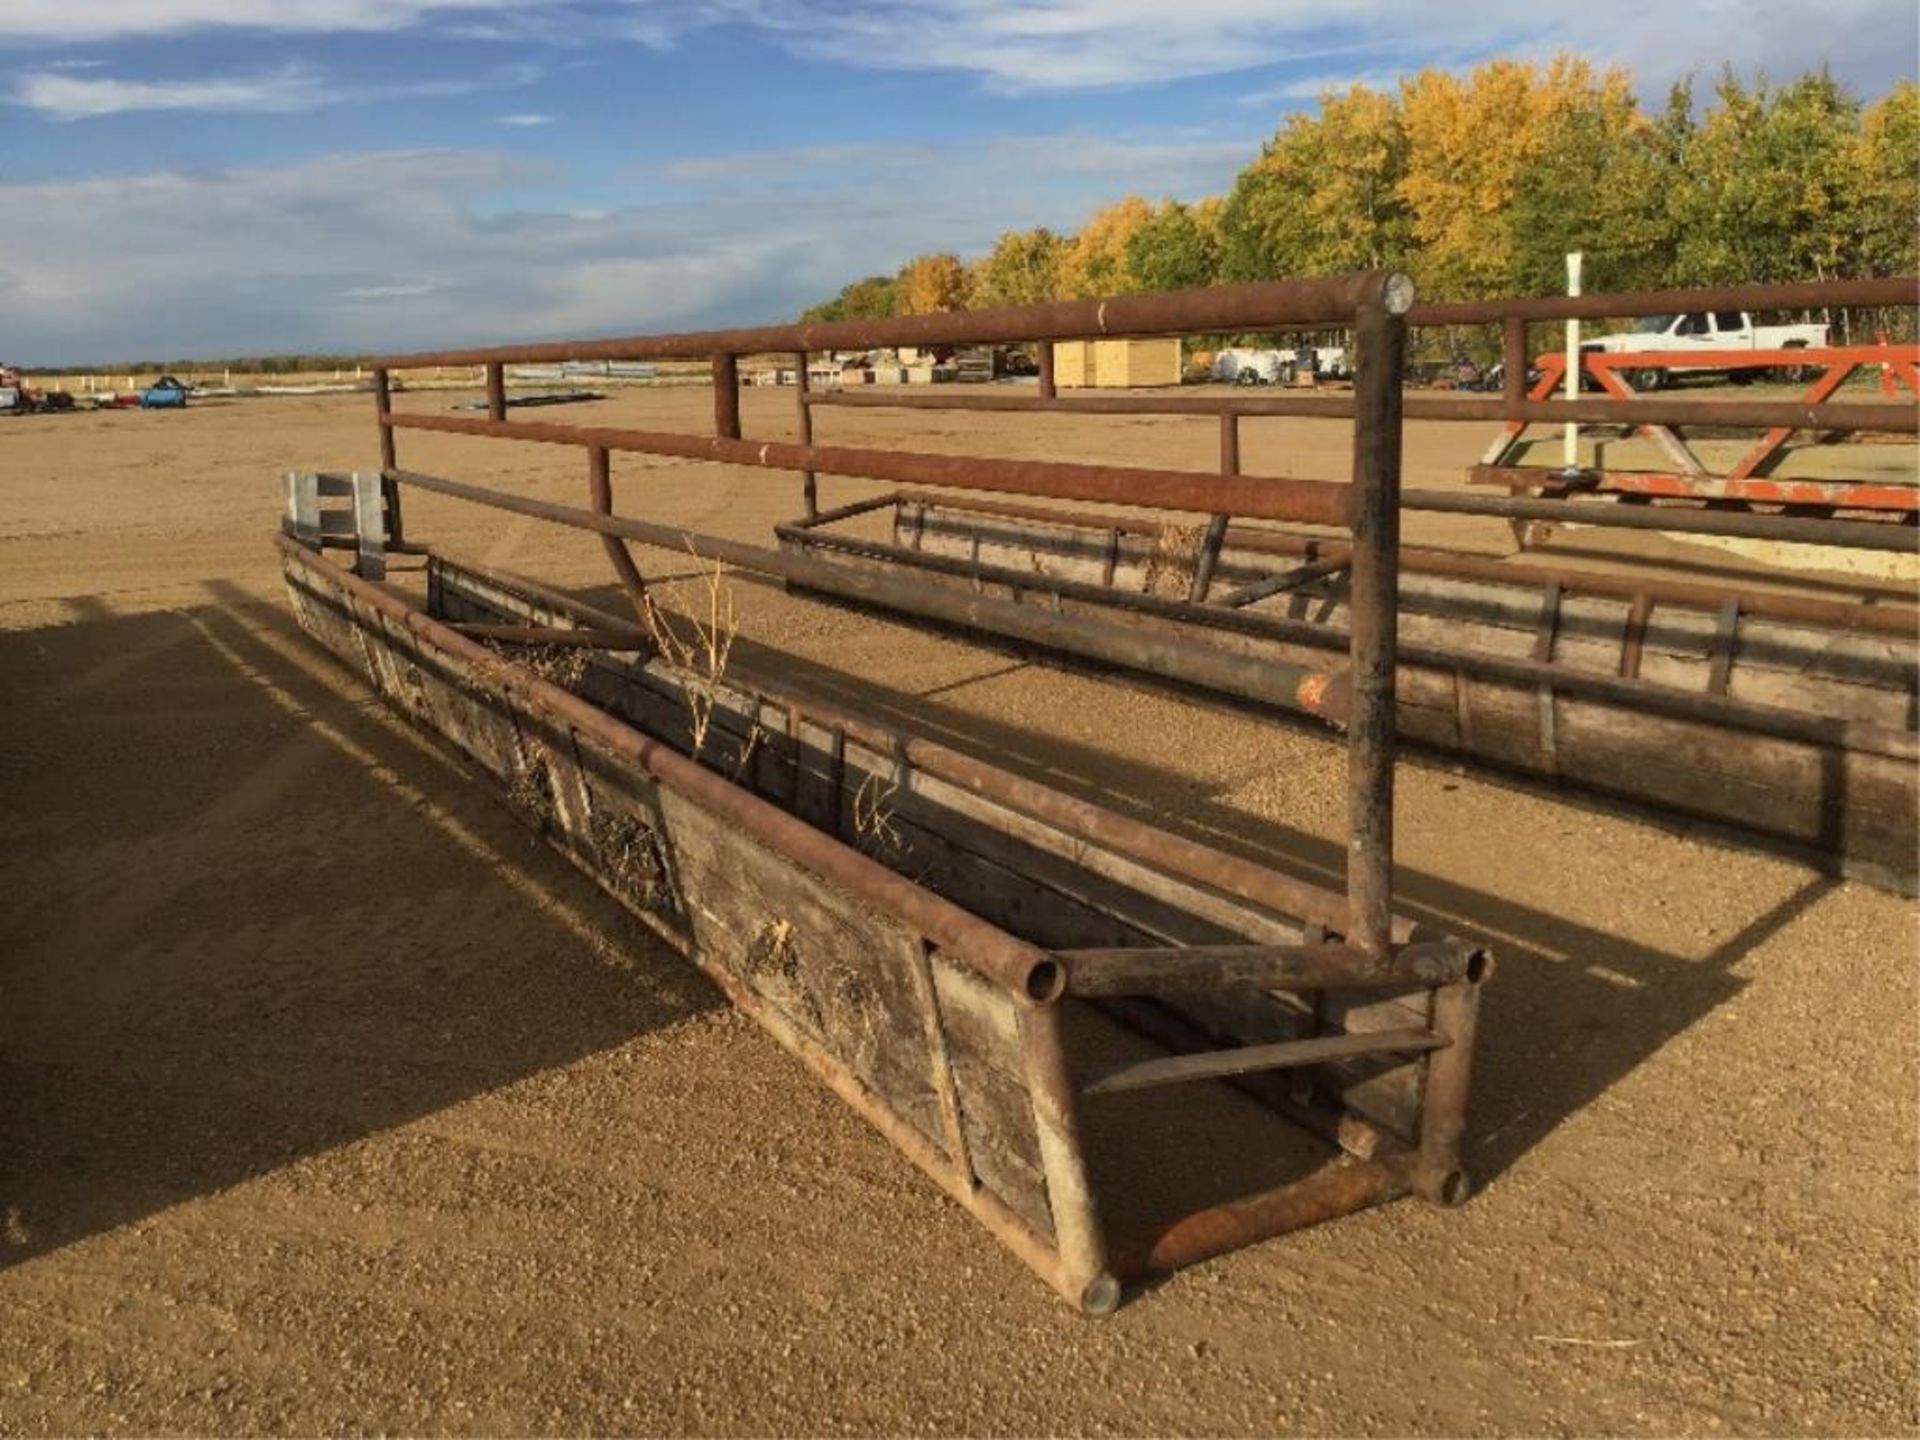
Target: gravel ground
{"points": [[332, 1101]]}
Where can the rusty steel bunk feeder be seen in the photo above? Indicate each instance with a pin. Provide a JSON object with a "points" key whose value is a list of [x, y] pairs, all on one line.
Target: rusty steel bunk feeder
{"points": [[942, 966], [1763, 717]]}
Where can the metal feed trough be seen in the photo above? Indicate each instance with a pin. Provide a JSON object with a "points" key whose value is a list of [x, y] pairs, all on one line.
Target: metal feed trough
{"points": [[1775, 718], [1002, 979]]}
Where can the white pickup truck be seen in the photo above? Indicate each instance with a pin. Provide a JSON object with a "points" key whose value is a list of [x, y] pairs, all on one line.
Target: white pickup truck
{"points": [[1719, 333]]}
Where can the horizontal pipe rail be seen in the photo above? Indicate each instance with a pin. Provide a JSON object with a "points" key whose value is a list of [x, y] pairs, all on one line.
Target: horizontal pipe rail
{"points": [[1321, 693], [1793, 295], [1256, 306], [1193, 968], [1275, 305], [1870, 416], [583, 638], [1340, 1187], [1892, 536], [1245, 1059], [1865, 736], [1312, 502], [1890, 619]]}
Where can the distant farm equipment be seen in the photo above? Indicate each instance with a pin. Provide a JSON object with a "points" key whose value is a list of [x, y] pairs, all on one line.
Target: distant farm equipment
{"points": [[19, 398], [1301, 365], [166, 393]]}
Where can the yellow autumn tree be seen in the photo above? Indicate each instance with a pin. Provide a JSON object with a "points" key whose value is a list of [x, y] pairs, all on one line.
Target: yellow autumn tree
{"points": [[929, 284], [1471, 143], [1095, 262]]}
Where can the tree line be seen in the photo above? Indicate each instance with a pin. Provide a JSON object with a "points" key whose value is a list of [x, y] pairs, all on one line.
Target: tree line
{"points": [[1478, 186]]}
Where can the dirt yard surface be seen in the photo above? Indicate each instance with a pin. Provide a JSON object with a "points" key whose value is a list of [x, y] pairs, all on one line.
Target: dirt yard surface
{"points": [[332, 1101]]}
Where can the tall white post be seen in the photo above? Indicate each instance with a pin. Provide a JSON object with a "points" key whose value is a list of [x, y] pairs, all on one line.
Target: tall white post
{"points": [[1570, 440]]}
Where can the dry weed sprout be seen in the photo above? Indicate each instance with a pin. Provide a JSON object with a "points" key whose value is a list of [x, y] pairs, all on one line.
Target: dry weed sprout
{"points": [[561, 665], [748, 748], [1175, 557], [702, 654], [873, 814]]}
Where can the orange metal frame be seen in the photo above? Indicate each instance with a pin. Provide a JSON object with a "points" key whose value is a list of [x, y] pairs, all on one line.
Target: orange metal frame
{"points": [[1747, 481]]}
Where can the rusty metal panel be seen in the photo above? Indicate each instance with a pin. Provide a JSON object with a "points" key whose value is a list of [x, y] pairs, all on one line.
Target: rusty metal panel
{"points": [[1471, 639], [945, 1045]]}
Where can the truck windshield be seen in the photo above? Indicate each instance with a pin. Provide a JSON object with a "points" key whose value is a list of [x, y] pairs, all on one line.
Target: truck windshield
{"points": [[1653, 325]]}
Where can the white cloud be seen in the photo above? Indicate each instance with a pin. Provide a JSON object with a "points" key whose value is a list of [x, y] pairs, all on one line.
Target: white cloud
{"points": [[81, 97], [94, 20], [411, 248], [284, 89], [1039, 45], [1025, 45], [525, 121]]}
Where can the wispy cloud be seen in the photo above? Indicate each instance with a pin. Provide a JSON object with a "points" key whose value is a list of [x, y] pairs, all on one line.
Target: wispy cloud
{"points": [[413, 248], [1032, 45], [284, 89], [524, 121], [1312, 87], [67, 96], [387, 292], [1055, 45], [127, 19]]}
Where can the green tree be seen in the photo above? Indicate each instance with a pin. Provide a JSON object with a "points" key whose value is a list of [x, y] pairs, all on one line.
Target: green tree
{"points": [[1177, 247], [1324, 195], [1023, 268], [871, 298], [1770, 193], [1599, 183]]}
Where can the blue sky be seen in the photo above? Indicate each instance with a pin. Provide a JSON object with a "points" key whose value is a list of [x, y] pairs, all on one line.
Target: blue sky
{"points": [[204, 177]]}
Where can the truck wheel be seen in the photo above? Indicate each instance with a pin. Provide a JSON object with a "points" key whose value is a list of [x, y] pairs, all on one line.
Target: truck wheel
{"points": [[1794, 374], [1652, 378]]}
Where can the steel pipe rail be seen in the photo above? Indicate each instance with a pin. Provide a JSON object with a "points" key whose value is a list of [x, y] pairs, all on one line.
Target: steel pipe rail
{"points": [[1802, 295], [1869, 416], [1887, 619], [1261, 305], [1320, 693], [1326, 966], [1313, 502], [1893, 536]]}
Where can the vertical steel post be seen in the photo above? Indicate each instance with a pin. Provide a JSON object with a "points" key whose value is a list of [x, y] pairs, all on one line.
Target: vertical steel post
{"points": [[1077, 1232], [1217, 525], [383, 412], [809, 484], [1380, 336], [1047, 388], [1437, 1174], [496, 391], [600, 492], [1513, 359], [726, 397]]}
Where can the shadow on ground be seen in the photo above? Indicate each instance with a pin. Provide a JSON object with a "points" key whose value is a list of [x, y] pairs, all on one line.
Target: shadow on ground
{"points": [[247, 921], [250, 919]]}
